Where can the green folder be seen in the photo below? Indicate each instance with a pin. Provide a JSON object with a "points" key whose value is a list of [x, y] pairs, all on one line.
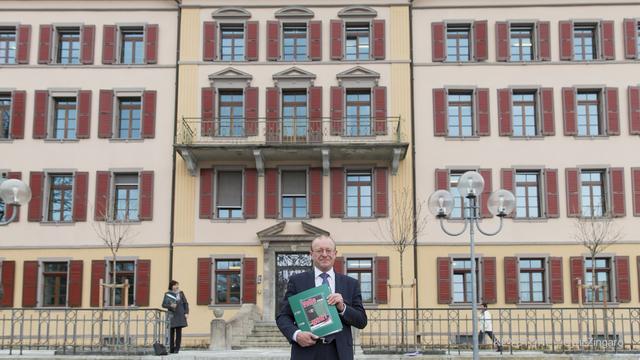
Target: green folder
{"points": [[313, 313]]}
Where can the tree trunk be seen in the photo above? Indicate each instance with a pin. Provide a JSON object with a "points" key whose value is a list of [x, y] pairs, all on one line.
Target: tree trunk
{"points": [[113, 282]]}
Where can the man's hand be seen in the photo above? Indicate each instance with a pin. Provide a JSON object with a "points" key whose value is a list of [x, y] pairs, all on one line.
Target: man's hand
{"points": [[336, 299], [305, 338]]}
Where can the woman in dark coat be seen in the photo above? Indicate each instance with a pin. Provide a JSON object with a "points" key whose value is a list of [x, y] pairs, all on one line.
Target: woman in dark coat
{"points": [[178, 306]]}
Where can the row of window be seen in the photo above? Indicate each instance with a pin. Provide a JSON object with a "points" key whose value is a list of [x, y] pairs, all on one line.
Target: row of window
{"points": [[527, 41], [524, 113], [66, 115]]}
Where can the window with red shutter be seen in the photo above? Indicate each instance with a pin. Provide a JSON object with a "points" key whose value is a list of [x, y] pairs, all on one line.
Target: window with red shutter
{"points": [[502, 41], [337, 110], [380, 109], [378, 50], [97, 273], [573, 192], [251, 110], [566, 40], [209, 41], [44, 47], [608, 41], [617, 192], [105, 116], [577, 277], [80, 190], [569, 111], [249, 274], [442, 179], [381, 189], [88, 40], [18, 107], [482, 114], [40, 112], [623, 282], [24, 44], [504, 112], [443, 271], [488, 188], [337, 39], [103, 184], [207, 103], [149, 114], [556, 290], [273, 114], [612, 110], [146, 196], [315, 192], [142, 282], [273, 40], [630, 38], [315, 40], [337, 192], [30, 283], [8, 282], [511, 291], [315, 114], [634, 110], [204, 281], [635, 185], [546, 104], [543, 37], [151, 44], [109, 44], [271, 193], [489, 286], [84, 114], [252, 41], [480, 50], [74, 299], [438, 43], [36, 183], [381, 279], [440, 112], [552, 208]]}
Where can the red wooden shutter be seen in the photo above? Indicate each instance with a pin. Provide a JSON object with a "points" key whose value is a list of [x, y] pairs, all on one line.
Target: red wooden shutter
{"points": [[444, 280], [273, 40], [109, 44], [250, 203], [623, 282], [30, 283], [440, 112], [577, 275], [566, 40], [573, 191], [480, 51], [569, 111], [249, 274], [105, 116], [8, 211], [8, 282], [482, 99], [151, 44], [271, 193], [381, 203], [84, 114], [88, 40], [544, 40], [315, 40], [337, 110], [338, 265], [44, 47], [507, 180], [634, 110], [24, 44], [438, 44], [502, 41], [556, 292], [97, 273], [18, 108], [149, 114], [617, 192], [251, 110], [381, 279], [635, 180], [608, 41], [546, 104], [484, 197], [613, 113], [380, 109], [204, 281], [552, 207], [209, 41], [337, 192], [442, 179], [80, 191], [504, 112], [511, 286], [378, 51], [75, 283], [273, 114], [40, 114], [630, 38], [252, 41], [315, 113], [207, 103], [489, 286], [36, 183], [146, 195], [103, 184], [337, 39], [206, 193], [142, 282], [315, 192]]}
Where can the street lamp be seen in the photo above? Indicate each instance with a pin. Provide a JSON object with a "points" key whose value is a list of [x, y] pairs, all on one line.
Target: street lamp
{"points": [[500, 203], [13, 192]]}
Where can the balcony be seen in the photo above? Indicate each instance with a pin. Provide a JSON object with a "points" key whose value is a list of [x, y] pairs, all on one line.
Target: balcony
{"points": [[262, 139]]}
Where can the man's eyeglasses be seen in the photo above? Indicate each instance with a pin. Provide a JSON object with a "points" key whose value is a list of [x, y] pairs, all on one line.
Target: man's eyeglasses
{"points": [[324, 251]]}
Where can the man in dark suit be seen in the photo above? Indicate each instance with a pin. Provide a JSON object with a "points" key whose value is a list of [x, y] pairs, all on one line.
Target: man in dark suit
{"points": [[345, 295]]}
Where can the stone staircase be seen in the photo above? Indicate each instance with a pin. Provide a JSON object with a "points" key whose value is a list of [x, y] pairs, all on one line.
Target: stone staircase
{"points": [[265, 334]]}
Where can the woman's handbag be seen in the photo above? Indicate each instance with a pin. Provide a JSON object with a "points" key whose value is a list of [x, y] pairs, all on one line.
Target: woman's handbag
{"points": [[159, 349]]}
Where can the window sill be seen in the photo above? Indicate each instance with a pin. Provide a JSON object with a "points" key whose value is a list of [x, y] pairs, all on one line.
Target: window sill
{"points": [[6, 141], [535, 305], [357, 220], [594, 137], [463, 305], [462, 138], [62, 141], [225, 306], [530, 220], [137, 222], [527, 138], [57, 223], [126, 140], [228, 221], [601, 304]]}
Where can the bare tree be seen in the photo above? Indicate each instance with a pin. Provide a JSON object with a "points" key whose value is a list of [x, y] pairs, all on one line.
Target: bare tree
{"points": [[114, 233]]}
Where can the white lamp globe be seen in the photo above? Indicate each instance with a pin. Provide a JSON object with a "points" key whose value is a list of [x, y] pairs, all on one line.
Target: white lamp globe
{"points": [[440, 203], [14, 191], [471, 184], [501, 202]]}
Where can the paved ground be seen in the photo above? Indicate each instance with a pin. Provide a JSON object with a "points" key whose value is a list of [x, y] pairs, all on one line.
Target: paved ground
{"points": [[270, 354]]}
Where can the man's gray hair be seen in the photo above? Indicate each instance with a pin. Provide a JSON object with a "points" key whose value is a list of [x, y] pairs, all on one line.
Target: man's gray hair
{"points": [[323, 237]]}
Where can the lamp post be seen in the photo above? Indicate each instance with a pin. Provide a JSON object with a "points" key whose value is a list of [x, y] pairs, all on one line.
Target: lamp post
{"points": [[13, 192], [500, 203]]}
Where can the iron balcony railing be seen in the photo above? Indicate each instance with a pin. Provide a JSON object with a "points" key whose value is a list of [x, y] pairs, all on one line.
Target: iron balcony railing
{"points": [[82, 331], [542, 329], [284, 130]]}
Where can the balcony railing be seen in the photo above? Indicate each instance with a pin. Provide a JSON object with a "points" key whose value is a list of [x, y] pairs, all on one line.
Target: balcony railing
{"points": [[541, 329], [281, 131], [82, 331]]}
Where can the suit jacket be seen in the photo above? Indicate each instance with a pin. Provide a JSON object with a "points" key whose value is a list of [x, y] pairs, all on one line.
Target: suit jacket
{"points": [[354, 315]]}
